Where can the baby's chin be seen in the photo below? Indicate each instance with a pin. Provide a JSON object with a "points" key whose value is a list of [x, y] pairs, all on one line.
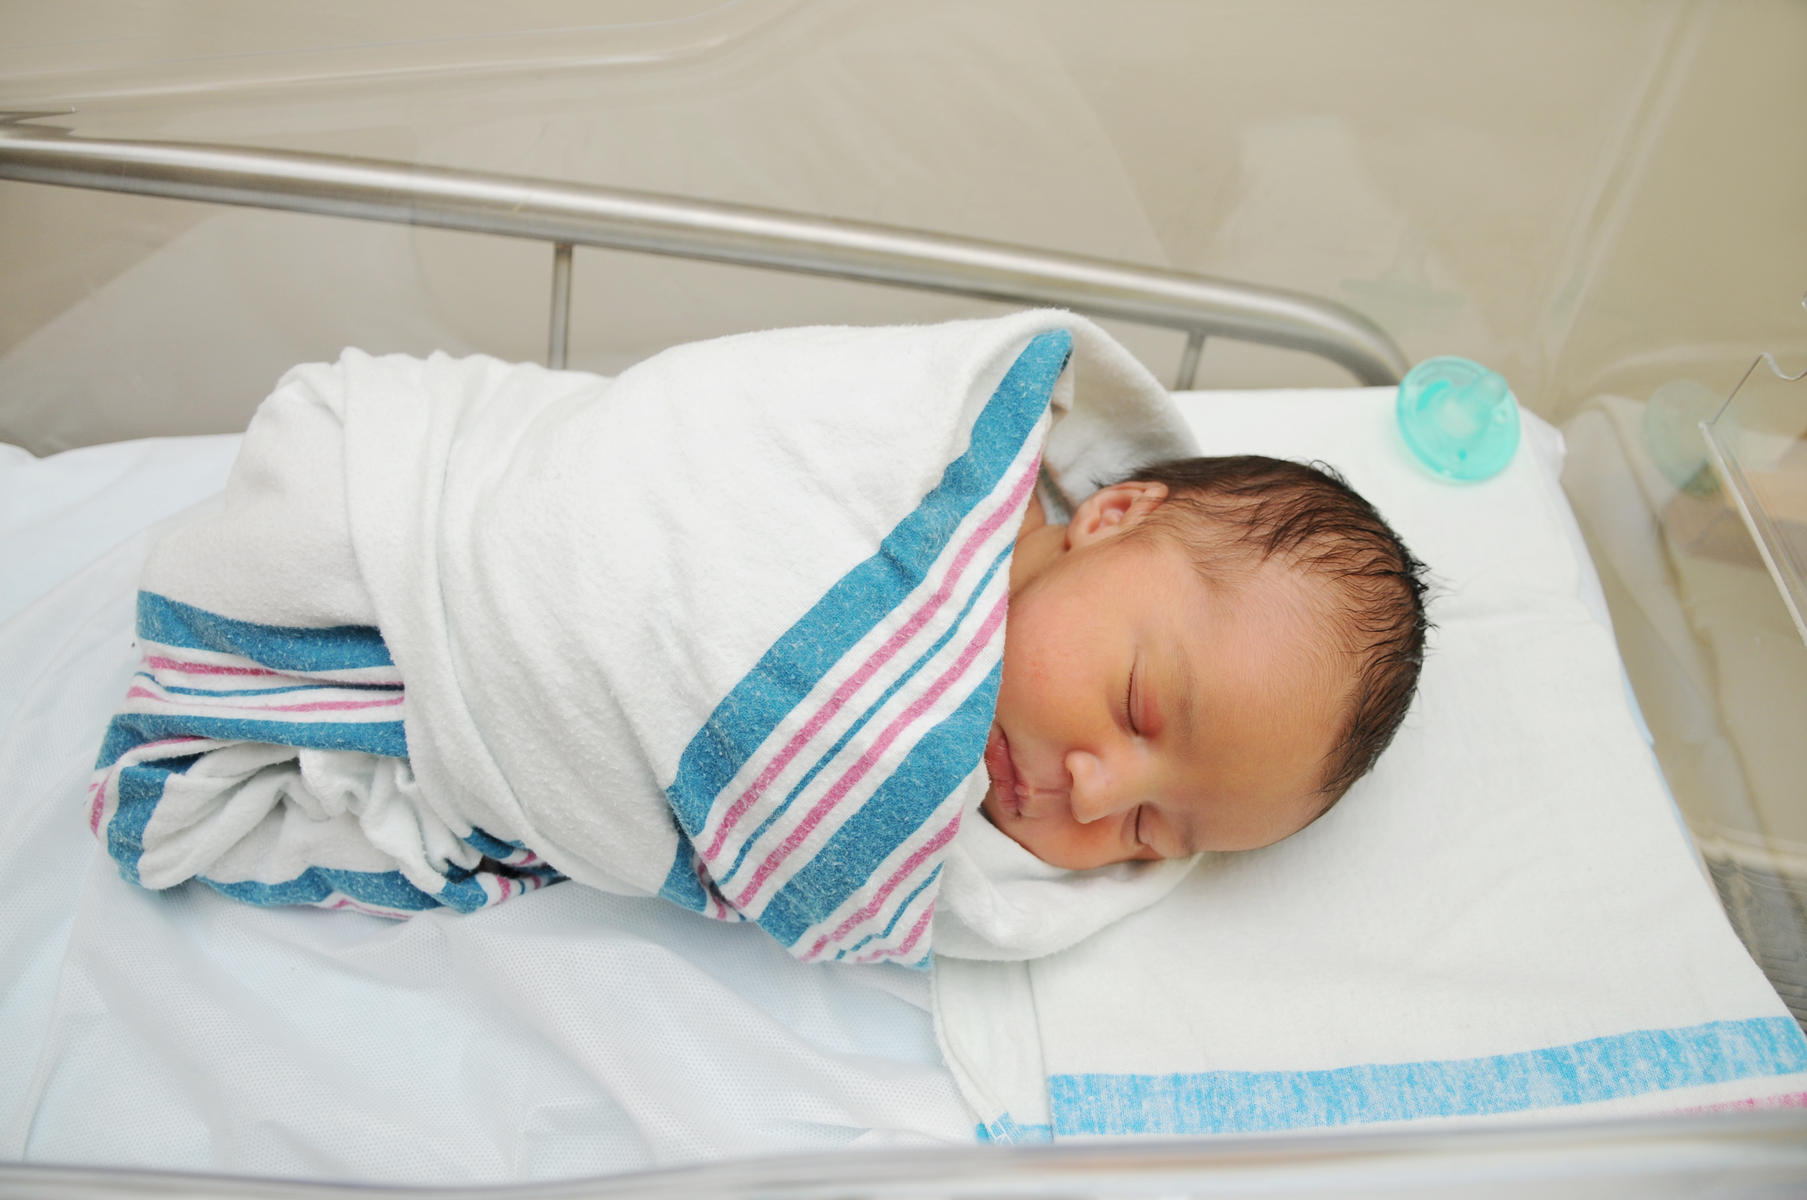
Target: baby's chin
{"points": [[1013, 827], [993, 810], [988, 808]]}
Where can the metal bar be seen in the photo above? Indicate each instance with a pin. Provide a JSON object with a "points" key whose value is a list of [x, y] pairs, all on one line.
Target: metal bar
{"points": [[592, 216], [560, 334], [1187, 375], [1734, 1153]]}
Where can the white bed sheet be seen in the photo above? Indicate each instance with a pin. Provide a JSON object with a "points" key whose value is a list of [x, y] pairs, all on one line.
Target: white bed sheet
{"points": [[565, 1033]]}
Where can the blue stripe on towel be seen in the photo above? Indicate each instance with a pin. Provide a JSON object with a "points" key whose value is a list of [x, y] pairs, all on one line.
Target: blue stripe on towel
{"points": [[957, 627], [947, 754], [385, 889], [462, 893], [868, 593], [1006, 1130], [311, 686], [279, 647], [681, 886], [140, 788], [1631, 1064], [903, 906]]}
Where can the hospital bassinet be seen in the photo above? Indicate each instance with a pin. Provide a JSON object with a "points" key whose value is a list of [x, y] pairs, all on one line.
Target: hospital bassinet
{"points": [[1670, 1155]]}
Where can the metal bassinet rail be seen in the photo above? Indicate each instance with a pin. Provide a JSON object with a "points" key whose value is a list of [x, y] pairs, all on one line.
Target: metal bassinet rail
{"points": [[570, 215], [1745, 1154]]}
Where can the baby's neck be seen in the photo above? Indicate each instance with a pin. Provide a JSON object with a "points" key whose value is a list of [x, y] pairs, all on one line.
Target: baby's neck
{"points": [[1034, 518]]}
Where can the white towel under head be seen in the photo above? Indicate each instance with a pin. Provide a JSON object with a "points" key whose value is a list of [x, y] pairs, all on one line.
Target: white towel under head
{"points": [[1504, 921], [1000, 902]]}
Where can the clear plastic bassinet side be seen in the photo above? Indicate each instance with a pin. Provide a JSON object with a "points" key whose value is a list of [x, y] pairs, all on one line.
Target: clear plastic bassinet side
{"points": [[1694, 503], [1757, 442]]}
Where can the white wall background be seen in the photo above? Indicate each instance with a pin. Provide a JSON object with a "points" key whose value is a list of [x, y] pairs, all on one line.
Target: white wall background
{"points": [[1593, 197]]}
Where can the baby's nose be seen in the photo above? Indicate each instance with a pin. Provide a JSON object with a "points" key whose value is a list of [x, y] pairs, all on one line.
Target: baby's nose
{"points": [[1096, 792]]}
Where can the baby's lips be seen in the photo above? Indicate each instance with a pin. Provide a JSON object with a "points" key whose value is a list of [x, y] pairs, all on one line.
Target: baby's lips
{"points": [[1002, 772]]}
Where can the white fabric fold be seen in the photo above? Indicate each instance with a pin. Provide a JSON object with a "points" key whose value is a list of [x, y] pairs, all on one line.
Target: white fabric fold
{"points": [[1000, 902]]}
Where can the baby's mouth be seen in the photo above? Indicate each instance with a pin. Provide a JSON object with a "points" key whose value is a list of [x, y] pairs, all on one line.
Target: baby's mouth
{"points": [[1002, 769]]}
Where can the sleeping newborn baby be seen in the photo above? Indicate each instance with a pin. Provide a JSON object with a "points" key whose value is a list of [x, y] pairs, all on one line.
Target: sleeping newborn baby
{"points": [[1204, 658], [456, 630]]}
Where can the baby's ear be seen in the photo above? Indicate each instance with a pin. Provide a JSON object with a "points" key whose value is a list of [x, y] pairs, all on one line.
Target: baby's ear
{"points": [[1109, 511]]}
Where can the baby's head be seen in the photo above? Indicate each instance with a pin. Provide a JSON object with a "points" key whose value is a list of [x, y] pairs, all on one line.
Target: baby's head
{"points": [[1204, 658]]}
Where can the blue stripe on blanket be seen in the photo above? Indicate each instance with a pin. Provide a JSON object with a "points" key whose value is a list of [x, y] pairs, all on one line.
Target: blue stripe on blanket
{"points": [[311, 686], [385, 889], [681, 886], [1006, 1130], [378, 889], [868, 593], [958, 626], [935, 766], [903, 906], [127, 730], [1631, 1064], [141, 789], [279, 647], [495, 847]]}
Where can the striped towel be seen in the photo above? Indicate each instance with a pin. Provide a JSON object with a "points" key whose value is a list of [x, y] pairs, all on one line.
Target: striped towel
{"points": [[303, 727], [726, 629]]}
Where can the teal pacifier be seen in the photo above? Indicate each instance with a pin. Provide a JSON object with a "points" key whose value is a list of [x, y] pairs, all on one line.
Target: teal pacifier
{"points": [[1458, 417]]}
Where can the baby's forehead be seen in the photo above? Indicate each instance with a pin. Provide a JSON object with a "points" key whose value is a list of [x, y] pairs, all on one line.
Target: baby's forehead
{"points": [[1228, 559], [1277, 599]]}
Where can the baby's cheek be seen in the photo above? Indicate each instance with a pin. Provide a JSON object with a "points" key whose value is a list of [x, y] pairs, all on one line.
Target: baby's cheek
{"points": [[1077, 847], [1034, 667]]}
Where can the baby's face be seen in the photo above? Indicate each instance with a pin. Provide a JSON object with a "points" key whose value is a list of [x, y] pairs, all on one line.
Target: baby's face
{"points": [[1146, 712]]}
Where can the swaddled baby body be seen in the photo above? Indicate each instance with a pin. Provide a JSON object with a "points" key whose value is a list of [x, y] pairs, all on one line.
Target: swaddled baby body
{"points": [[451, 634], [1204, 657]]}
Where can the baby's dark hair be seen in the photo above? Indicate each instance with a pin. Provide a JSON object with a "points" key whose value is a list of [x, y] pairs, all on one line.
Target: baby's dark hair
{"points": [[1312, 518]]}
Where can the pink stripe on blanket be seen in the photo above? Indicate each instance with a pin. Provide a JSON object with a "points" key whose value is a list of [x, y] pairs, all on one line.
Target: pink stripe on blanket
{"points": [[877, 902], [879, 658], [1785, 1100], [143, 693], [394, 914], [909, 943], [993, 621], [158, 662]]}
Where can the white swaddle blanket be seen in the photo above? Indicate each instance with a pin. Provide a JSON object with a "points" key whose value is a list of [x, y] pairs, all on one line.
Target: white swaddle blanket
{"points": [[1000, 902], [725, 629]]}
